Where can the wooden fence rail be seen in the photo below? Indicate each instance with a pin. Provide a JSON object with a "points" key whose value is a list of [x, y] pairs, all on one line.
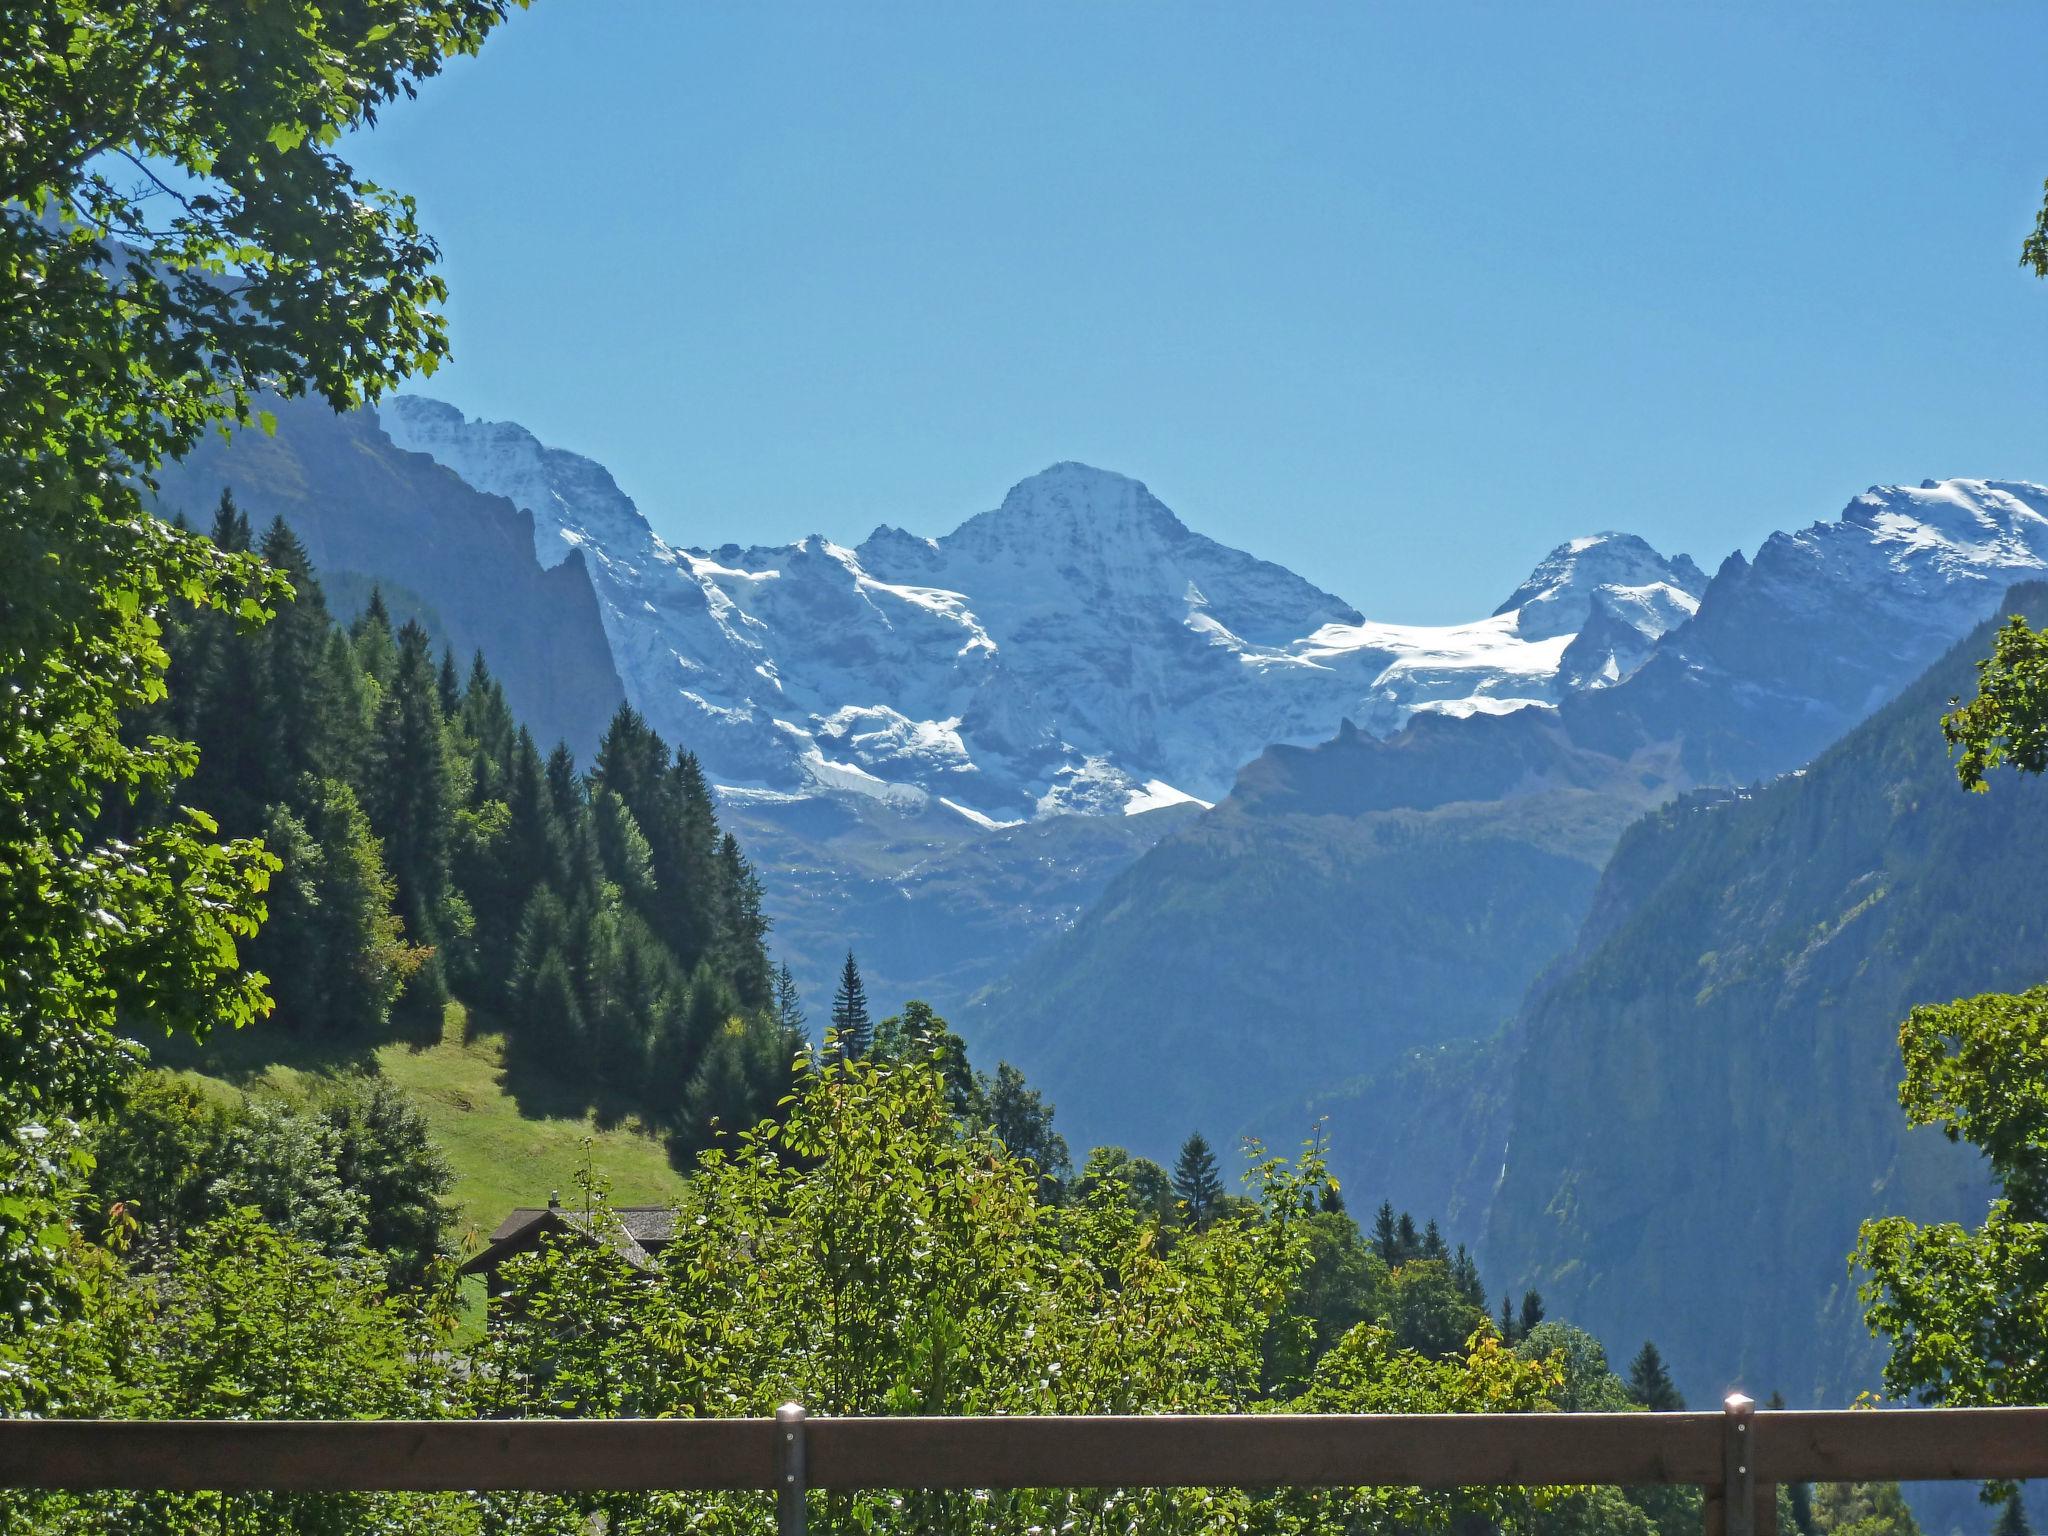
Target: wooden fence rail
{"points": [[1738, 1451]]}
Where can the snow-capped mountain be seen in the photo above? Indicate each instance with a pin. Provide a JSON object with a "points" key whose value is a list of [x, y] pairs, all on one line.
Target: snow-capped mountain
{"points": [[1076, 649]]}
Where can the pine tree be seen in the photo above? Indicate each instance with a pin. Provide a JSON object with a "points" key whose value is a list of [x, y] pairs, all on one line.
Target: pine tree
{"points": [[1196, 1180], [1465, 1270], [1532, 1313], [1433, 1246], [853, 1031], [305, 708], [1507, 1319], [2012, 1520], [789, 1008], [1386, 1238], [448, 683], [1650, 1384], [1021, 1120], [1406, 1240], [371, 635], [413, 798]]}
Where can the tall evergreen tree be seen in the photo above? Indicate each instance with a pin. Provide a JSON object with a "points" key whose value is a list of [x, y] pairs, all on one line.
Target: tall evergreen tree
{"points": [[1021, 1120], [413, 797], [448, 684], [1507, 1319], [1406, 1239], [303, 706], [852, 1029], [1532, 1313], [1197, 1181], [1433, 1246], [789, 1008], [2012, 1519], [1386, 1238], [1650, 1384], [376, 651]]}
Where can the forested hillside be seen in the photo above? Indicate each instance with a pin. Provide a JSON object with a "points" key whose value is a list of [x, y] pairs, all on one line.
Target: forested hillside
{"points": [[429, 847], [369, 513], [1701, 1104]]}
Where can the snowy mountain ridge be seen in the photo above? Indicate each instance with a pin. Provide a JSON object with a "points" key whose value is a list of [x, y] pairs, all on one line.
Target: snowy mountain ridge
{"points": [[1078, 648]]}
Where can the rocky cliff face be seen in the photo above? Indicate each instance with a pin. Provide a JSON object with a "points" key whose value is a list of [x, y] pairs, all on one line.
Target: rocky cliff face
{"points": [[369, 511], [1700, 1103]]}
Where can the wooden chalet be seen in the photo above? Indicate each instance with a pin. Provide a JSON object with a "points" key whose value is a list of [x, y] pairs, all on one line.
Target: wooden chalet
{"points": [[644, 1230]]}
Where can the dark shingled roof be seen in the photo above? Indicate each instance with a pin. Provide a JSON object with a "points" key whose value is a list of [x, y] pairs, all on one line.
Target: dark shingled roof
{"points": [[646, 1230]]}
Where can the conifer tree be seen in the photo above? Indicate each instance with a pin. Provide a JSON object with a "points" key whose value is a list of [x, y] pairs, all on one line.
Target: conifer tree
{"points": [[2012, 1519], [1196, 1180], [1465, 1270], [1433, 1246], [853, 1031], [1532, 1313], [1650, 1384], [413, 795], [1386, 1238], [302, 705], [1406, 1240], [789, 1009], [376, 652], [1507, 1319], [448, 683], [1021, 1120]]}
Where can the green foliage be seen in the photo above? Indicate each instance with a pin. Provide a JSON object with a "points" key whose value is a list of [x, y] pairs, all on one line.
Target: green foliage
{"points": [[1429, 1311], [2007, 722], [1139, 1181], [347, 1168], [2012, 1517], [2034, 251], [869, 1254], [1967, 1310], [176, 228], [244, 1322], [1862, 1509]]}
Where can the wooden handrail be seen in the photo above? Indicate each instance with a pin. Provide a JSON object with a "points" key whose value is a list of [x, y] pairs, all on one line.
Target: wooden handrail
{"points": [[1334, 1450]]}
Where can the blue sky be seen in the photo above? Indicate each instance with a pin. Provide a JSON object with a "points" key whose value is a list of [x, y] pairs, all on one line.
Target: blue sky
{"points": [[1398, 295]]}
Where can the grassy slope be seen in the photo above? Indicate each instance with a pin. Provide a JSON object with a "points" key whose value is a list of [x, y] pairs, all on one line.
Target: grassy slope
{"points": [[501, 1157]]}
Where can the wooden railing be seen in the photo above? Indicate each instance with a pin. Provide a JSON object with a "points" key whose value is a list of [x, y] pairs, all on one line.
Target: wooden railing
{"points": [[1738, 1455]]}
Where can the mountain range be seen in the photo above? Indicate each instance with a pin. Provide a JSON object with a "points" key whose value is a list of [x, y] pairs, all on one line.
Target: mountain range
{"points": [[1199, 846]]}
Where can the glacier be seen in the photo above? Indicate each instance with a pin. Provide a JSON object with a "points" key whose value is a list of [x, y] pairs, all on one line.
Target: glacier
{"points": [[1077, 649]]}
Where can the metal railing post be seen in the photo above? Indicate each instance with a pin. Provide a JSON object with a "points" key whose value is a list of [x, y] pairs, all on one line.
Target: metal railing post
{"points": [[1738, 1466], [790, 1479]]}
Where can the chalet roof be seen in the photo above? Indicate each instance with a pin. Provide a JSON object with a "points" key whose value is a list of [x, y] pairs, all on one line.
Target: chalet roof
{"points": [[645, 1230]]}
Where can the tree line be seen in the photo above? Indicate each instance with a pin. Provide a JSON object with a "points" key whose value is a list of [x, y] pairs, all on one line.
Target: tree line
{"points": [[427, 848]]}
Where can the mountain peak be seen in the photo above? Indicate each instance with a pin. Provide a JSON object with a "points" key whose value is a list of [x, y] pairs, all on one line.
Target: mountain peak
{"points": [[1561, 592], [1070, 491]]}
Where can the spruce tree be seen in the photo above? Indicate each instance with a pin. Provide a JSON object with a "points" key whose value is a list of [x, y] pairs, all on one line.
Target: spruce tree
{"points": [[789, 1008], [413, 798], [1507, 1319], [371, 636], [1433, 1246], [448, 683], [1386, 1240], [1196, 1180], [1465, 1270], [1532, 1312], [1406, 1239], [2012, 1520], [853, 1031], [1650, 1384]]}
